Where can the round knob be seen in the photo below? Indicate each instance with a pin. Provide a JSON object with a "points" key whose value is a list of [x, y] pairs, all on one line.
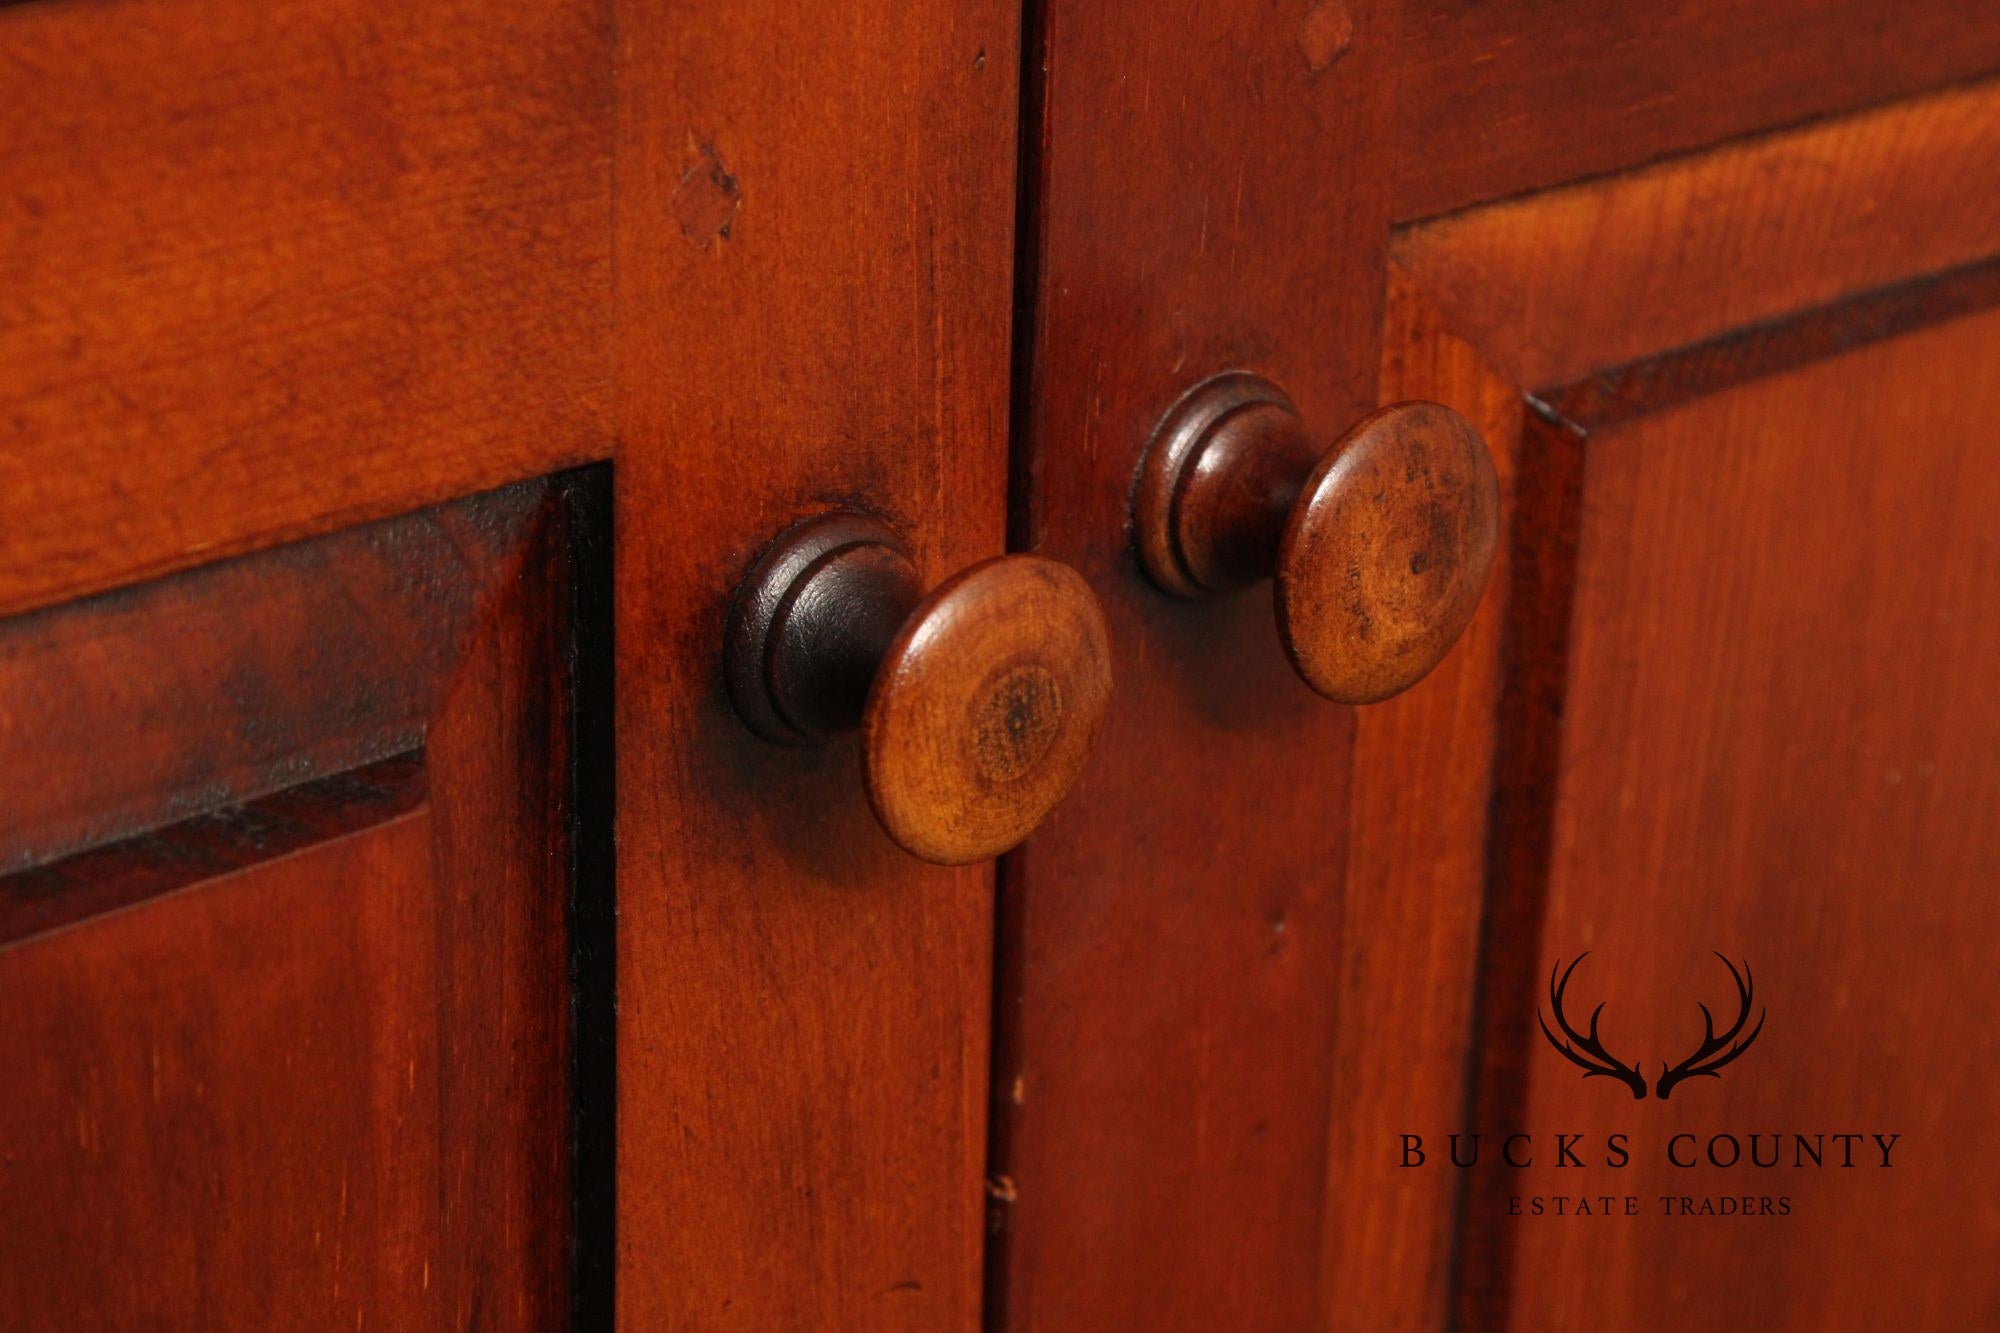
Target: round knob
{"points": [[1380, 545], [977, 704]]}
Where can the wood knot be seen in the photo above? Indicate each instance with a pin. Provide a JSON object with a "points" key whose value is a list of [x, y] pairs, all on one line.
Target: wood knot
{"points": [[1325, 33], [705, 201]]}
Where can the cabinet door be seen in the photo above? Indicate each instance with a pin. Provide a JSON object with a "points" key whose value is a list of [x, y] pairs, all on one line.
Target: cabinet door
{"points": [[1209, 193], [289, 951], [292, 840], [1735, 405], [1746, 753], [814, 231]]}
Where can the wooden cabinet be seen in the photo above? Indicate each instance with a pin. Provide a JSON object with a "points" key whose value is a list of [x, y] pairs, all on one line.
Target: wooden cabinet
{"points": [[400, 925]]}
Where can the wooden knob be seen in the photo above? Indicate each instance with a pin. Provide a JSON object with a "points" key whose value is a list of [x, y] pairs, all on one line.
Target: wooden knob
{"points": [[977, 704], [1380, 545]]}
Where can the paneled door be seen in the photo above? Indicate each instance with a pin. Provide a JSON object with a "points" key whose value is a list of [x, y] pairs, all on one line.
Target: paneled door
{"points": [[300, 849], [391, 402], [1714, 285]]}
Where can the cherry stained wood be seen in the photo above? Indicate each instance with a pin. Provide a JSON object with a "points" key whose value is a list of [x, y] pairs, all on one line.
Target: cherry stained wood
{"points": [[304, 1061], [1744, 586], [814, 276], [1209, 191], [1504, 96], [1777, 739], [268, 677], [271, 269], [1415, 892], [1564, 283], [277, 272]]}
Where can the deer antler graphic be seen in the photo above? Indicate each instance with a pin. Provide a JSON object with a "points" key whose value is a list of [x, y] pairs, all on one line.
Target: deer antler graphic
{"points": [[1710, 1055], [1596, 1062]]}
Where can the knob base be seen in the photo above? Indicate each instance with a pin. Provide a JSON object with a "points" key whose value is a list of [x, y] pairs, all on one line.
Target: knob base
{"points": [[1220, 476], [810, 623]]}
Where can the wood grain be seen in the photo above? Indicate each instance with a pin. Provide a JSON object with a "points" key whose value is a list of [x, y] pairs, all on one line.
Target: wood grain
{"points": [[1385, 557], [1411, 914], [1731, 560], [304, 1062], [1558, 285], [1778, 740], [814, 271], [1170, 936], [270, 270], [985, 708], [1503, 96], [227, 683]]}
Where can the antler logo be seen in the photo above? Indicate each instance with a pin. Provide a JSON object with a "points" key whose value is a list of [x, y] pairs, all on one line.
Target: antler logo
{"points": [[1594, 1059], [1587, 1051], [1710, 1055]]}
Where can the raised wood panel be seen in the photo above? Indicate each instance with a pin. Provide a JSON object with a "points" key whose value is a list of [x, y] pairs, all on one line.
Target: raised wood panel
{"points": [[227, 683], [1565, 283], [815, 272], [1741, 707], [1210, 192], [304, 1060], [272, 269], [1778, 739], [1504, 96], [211, 1101]]}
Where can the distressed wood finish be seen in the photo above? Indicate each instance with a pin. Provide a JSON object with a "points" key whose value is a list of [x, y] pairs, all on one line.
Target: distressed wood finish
{"points": [[1209, 192], [304, 1061], [268, 270], [802, 1007], [1504, 96], [1742, 708], [267, 678]]}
